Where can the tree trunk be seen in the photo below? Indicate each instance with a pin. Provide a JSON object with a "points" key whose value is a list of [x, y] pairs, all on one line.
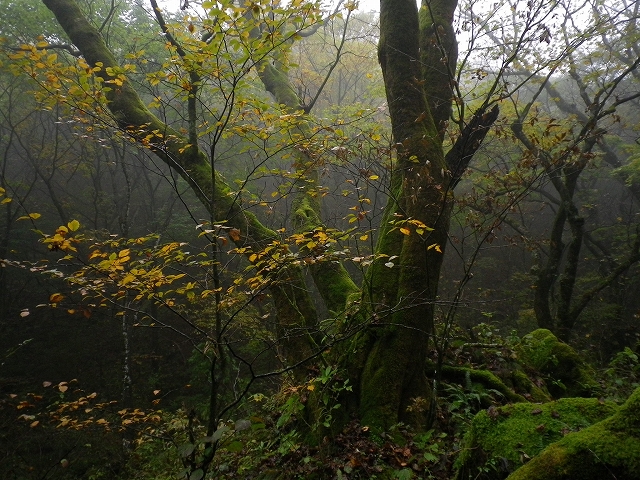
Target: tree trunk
{"points": [[400, 295]]}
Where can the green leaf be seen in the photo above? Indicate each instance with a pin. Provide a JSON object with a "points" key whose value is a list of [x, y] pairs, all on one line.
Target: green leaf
{"points": [[404, 474], [217, 435], [235, 447], [186, 449], [197, 475], [430, 457]]}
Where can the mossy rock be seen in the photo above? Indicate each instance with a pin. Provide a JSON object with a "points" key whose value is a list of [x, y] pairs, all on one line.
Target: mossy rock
{"points": [[609, 449], [567, 373], [500, 440], [522, 383], [487, 379]]}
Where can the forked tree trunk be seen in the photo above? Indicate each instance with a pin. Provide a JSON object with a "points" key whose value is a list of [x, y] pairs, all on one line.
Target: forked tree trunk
{"points": [[400, 295]]}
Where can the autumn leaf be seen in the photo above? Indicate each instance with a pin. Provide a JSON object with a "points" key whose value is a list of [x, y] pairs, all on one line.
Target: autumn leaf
{"points": [[435, 247], [73, 225], [234, 233], [31, 216], [405, 231], [56, 297]]}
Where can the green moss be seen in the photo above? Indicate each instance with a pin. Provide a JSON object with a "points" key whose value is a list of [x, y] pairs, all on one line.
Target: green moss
{"points": [[522, 383], [504, 438], [483, 377], [567, 373], [609, 449]]}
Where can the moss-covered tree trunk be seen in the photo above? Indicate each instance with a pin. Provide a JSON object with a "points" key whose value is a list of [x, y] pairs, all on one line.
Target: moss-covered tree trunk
{"points": [[400, 295], [417, 53]]}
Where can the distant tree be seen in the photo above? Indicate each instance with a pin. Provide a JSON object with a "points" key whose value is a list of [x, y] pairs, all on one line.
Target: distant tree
{"points": [[569, 102]]}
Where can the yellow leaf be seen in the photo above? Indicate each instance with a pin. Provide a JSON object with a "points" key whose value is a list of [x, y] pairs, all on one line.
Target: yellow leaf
{"points": [[374, 177], [73, 225], [34, 424], [5, 200], [364, 237], [405, 231], [31, 216], [56, 297], [311, 388]]}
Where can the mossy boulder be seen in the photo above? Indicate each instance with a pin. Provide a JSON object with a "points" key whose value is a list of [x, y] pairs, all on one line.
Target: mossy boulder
{"points": [[567, 374], [500, 440], [522, 383], [608, 449], [462, 375]]}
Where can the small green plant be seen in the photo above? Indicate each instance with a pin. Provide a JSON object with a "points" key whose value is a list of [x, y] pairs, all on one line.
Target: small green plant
{"points": [[431, 444], [622, 376], [465, 401]]}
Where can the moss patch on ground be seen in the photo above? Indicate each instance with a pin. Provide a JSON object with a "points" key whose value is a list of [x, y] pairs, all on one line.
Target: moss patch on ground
{"points": [[500, 440]]}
